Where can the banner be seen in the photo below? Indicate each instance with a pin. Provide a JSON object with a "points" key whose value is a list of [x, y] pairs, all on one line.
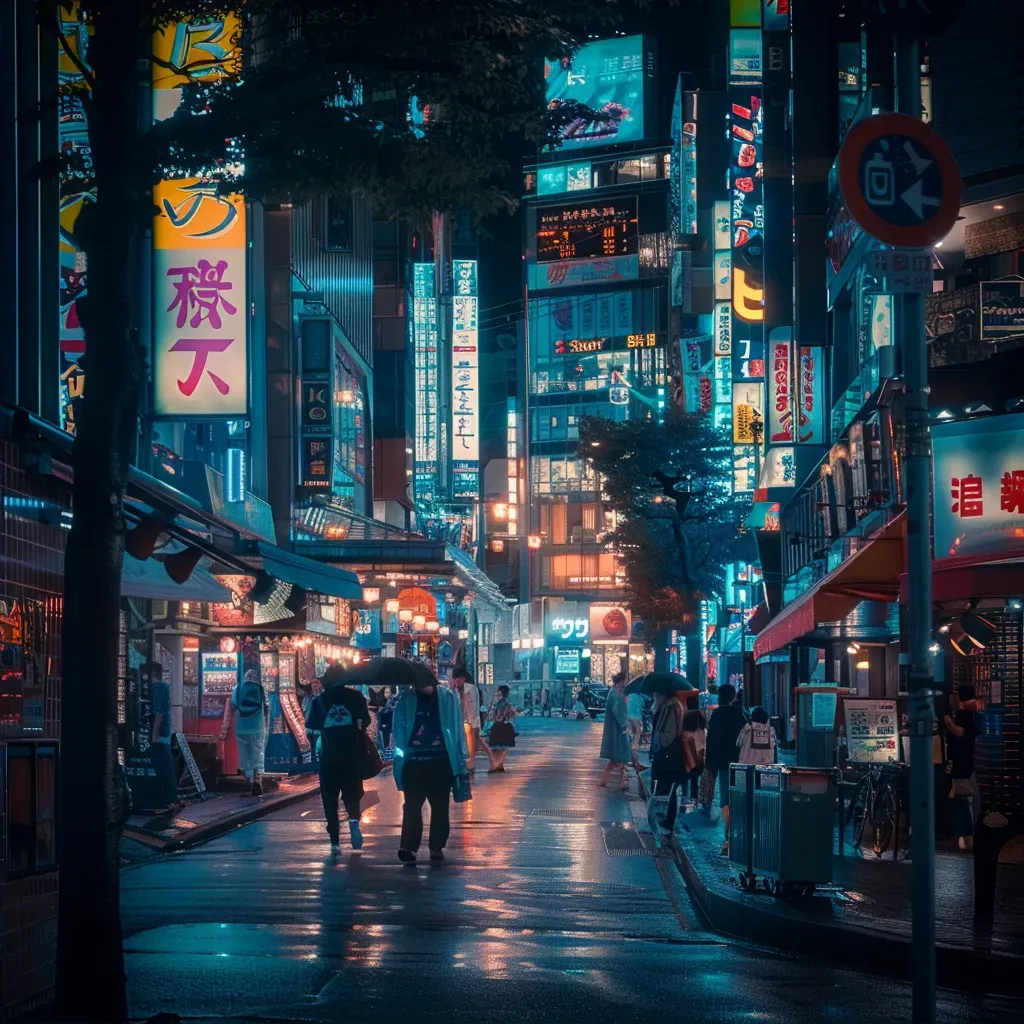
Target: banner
{"points": [[723, 329], [780, 386], [465, 381], [424, 326], [747, 412]]}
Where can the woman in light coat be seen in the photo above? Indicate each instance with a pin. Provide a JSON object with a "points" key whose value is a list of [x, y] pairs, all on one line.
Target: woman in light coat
{"points": [[615, 745]]}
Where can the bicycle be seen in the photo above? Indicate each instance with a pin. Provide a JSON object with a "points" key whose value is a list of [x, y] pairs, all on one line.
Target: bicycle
{"points": [[879, 791]]}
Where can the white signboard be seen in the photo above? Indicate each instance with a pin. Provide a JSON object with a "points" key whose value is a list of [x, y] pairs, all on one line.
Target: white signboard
{"points": [[721, 214], [723, 329], [465, 380], [723, 276]]}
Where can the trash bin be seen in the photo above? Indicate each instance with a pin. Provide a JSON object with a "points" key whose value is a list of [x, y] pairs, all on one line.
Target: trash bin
{"points": [[741, 822], [793, 822]]}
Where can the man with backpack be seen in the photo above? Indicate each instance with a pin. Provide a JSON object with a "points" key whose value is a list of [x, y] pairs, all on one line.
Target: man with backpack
{"points": [[340, 715], [250, 710]]}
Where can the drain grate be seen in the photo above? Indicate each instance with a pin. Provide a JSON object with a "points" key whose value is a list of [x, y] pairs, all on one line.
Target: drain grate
{"points": [[625, 841], [570, 813]]}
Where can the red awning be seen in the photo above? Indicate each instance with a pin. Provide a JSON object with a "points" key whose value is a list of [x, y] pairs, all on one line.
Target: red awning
{"points": [[871, 574], [967, 577], [759, 618]]}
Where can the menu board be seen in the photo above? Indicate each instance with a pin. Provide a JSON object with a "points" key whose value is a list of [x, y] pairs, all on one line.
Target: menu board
{"points": [[219, 674], [872, 731]]}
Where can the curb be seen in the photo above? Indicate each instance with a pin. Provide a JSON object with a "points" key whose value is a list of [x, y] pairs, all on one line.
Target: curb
{"points": [[221, 826], [740, 916]]}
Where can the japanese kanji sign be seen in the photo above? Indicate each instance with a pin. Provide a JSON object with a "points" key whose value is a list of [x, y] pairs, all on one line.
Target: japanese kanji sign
{"points": [[465, 381], [200, 364], [978, 485]]}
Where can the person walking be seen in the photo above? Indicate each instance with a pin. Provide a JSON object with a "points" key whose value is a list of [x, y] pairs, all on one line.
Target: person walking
{"points": [[430, 754], [338, 715], [757, 739], [960, 737], [249, 710], [502, 735], [469, 697], [615, 746], [635, 714], [724, 728], [694, 743], [668, 757]]}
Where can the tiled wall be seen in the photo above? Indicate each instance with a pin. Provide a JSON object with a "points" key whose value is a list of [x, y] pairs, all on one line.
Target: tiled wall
{"points": [[31, 570]]}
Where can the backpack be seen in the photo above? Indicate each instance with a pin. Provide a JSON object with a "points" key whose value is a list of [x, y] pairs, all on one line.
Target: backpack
{"points": [[757, 744], [250, 699]]}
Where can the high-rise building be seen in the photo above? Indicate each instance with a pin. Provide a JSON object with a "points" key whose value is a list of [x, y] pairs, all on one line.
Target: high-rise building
{"points": [[597, 288]]}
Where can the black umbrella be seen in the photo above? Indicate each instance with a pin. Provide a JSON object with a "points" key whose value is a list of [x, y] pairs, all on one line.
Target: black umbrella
{"points": [[657, 682], [401, 672]]}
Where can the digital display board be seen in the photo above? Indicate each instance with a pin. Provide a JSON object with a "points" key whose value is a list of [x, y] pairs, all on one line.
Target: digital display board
{"points": [[581, 346], [425, 325], [555, 178], [648, 340], [597, 95], [746, 178], [567, 661], [583, 231]]}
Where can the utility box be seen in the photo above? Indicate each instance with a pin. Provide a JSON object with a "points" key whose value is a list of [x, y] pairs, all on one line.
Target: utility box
{"points": [[741, 822], [793, 825]]}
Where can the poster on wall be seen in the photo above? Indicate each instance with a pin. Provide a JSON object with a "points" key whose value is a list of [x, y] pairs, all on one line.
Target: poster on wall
{"points": [[1002, 309], [747, 411], [577, 273], [609, 623], [598, 93], [810, 394], [778, 469], [978, 486]]}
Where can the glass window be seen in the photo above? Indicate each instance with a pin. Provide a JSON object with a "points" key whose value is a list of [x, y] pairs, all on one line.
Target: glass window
{"points": [[629, 170], [46, 808], [20, 826]]}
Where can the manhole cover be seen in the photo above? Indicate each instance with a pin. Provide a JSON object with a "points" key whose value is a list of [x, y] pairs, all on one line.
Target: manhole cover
{"points": [[572, 813], [624, 841]]}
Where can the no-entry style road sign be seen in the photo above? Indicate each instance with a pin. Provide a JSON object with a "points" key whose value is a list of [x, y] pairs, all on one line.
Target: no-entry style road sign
{"points": [[899, 180]]}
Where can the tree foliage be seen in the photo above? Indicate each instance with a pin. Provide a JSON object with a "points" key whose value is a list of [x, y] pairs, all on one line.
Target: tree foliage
{"points": [[679, 522]]}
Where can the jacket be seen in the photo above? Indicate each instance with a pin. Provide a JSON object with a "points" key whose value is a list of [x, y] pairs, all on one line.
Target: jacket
{"points": [[723, 736], [615, 745], [450, 709]]}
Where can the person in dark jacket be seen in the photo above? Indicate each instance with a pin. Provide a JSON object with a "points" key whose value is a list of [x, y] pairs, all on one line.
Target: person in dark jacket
{"points": [[727, 722], [339, 714]]}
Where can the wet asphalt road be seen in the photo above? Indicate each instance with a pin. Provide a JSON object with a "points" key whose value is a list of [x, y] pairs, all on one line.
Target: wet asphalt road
{"points": [[539, 915]]}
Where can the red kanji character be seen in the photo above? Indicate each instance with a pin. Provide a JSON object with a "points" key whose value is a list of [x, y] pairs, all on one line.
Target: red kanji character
{"points": [[967, 496], [1011, 492], [200, 288], [201, 347]]}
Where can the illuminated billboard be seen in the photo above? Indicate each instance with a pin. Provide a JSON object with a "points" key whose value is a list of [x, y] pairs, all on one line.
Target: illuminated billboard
{"points": [[465, 381], [581, 231], [597, 95], [424, 327], [746, 180], [200, 308]]}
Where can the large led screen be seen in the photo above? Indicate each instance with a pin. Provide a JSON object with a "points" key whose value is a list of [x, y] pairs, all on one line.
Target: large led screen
{"points": [[583, 231], [598, 95]]}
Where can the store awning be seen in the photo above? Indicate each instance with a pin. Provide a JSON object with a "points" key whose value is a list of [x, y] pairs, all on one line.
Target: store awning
{"points": [[871, 574], [971, 577], [310, 575], [149, 579], [476, 579]]}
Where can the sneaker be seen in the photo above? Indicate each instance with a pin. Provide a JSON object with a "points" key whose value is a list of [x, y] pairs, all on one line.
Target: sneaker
{"points": [[335, 848], [357, 835], [257, 789], [437, 854], [406, 856]]}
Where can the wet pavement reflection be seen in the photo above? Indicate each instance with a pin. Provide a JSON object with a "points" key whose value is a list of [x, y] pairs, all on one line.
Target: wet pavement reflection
{"points": [[550, 907]]}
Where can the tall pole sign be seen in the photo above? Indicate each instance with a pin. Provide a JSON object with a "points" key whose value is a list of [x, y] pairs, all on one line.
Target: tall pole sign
{"points": [[900, 182]]}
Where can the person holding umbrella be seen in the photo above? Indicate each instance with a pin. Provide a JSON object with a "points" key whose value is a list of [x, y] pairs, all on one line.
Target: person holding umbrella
{"points": [[615, 744], [430, 756]]}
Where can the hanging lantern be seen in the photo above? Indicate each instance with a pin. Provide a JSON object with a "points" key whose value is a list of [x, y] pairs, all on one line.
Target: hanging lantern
{"points": [[391, 605], [405, 615], [433, 626], [419, 621], [371, 595]]}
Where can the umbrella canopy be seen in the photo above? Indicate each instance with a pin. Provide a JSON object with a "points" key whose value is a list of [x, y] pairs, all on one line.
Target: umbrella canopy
{"points": [[658, 682], [400, 672]]}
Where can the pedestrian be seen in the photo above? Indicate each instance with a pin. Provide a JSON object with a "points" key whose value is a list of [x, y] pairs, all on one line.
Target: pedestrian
{"points": [[668, 758], [960, 737], [430, 755], [694, 742], [615, 744], [249, 708], [757, 739], [635, 714], [385, 720], [469, 697], [502, 733], [724, 728], [337, 716], [161, 759]]}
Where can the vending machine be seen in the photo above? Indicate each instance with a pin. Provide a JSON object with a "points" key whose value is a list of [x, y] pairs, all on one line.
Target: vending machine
{"points": [[219, 674], [288, 747]]}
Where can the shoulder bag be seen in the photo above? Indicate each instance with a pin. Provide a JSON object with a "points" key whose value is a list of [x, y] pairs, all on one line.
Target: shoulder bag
{"points": [[370, 763]]}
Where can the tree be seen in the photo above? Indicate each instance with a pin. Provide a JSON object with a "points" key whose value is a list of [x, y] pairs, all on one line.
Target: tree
{"points": [[679, 524], [321, 108]]}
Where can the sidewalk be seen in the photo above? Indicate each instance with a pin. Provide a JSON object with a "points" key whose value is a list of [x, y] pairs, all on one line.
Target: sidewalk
{"points": [[202, 820], [865, 914]]}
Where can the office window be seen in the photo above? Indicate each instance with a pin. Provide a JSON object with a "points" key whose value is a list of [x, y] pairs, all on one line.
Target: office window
{"points": [[31, 809]]}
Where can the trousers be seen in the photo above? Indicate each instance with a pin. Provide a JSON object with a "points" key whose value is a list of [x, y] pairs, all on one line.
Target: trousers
{"points": [[430, 781], [340, 778]]}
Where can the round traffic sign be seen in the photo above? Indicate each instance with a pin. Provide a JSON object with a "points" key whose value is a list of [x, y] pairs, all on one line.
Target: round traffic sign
{"points": [[899, 180]]}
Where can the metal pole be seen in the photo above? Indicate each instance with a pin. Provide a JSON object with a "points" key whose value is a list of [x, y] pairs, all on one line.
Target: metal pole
{"points": [[919, 559]]}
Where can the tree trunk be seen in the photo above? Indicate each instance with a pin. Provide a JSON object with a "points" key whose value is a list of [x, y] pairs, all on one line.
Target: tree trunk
{"points": [[90, 957]]}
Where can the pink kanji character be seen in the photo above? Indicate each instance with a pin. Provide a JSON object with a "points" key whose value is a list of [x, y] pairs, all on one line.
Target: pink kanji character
{"points": [[1011, 492], [201, 349], [200, 288]]}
